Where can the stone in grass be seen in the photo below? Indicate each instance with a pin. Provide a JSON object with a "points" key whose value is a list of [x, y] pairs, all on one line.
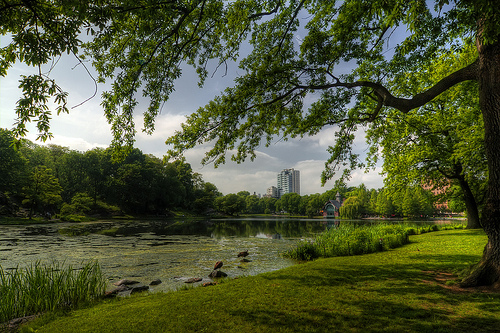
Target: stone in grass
{"points": [[216, 274], [138, 288], [115, 291], [193, 280], [155, 282], [125, 282], [211, 283], [133, 289], [126, 289]]}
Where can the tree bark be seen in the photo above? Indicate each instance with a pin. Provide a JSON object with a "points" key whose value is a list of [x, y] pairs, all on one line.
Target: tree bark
{"points": [[473, 221], [487, 271]]}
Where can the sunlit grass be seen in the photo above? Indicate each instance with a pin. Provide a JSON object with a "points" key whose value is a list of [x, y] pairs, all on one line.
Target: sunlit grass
{"points": [[354, 239], [39, 288], [391, 291]]}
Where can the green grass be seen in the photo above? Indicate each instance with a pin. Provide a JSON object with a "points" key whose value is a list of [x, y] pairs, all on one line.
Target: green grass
{"points": [[39, 288], [390, 291], [353, 239]]}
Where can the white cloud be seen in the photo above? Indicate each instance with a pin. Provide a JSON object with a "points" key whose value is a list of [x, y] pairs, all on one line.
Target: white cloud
{"points": [[371, 179], [75, 143], [310, 176], [165, 126], [86, 128]]}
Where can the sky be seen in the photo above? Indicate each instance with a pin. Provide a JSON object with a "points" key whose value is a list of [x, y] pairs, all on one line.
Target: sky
{"points": [[85, 127]]}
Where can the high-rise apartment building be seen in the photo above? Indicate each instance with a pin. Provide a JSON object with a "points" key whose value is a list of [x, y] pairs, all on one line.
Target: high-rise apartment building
{"points": [[288, 181]]}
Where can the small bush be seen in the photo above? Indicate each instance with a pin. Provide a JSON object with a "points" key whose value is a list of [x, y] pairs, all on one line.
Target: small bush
{"points": [[74, 218]]}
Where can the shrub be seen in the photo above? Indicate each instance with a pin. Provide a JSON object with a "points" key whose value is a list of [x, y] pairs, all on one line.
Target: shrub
{"points": [[353, 239]]}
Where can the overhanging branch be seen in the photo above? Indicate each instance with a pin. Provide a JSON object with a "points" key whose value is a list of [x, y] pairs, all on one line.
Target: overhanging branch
{"points": [[406, 104]]}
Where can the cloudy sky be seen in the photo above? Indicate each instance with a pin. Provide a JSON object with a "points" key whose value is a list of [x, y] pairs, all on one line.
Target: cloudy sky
{"points": [[86, 128]]}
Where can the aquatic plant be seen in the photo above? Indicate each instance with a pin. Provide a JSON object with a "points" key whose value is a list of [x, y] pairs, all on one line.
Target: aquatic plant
{"points": [[354, 239], [40, 287]]}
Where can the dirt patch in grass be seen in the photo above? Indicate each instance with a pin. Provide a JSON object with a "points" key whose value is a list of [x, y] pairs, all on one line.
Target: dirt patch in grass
{"points": [[449, 281], [13, 325]]}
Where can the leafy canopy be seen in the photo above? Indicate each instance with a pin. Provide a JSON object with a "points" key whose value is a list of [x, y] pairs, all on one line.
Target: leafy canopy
{"points": [[39, 32], [442, 140], [311, 65], [307, 65]]}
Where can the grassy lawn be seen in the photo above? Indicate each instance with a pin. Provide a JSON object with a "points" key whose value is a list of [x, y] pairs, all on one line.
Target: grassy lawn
{"points": [[401, 290]]}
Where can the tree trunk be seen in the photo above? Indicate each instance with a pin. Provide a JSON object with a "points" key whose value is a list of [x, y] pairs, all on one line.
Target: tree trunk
{"points": [[470, 205], [487, 271]]}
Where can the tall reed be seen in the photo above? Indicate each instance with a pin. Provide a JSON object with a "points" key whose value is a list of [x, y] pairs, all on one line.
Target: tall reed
{"points": [[353, 239], [40, 287]]}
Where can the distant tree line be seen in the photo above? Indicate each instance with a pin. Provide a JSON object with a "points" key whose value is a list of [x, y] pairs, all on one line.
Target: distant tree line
{"points": [[53, 179], [356, 202]]}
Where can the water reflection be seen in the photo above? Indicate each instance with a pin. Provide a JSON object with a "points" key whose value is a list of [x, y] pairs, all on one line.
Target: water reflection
{"points": [[172, 251]]}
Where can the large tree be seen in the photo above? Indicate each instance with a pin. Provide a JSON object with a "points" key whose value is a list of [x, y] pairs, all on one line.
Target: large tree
{"points": [[12, 165], [438, 145], [332, 53]]}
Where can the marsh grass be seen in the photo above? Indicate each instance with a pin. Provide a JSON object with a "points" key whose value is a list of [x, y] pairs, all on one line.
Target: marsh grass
{"points": [[39, 288], [355, 239]]}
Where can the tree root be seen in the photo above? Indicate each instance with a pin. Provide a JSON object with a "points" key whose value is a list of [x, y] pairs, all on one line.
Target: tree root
{"points": [[485, 273]]}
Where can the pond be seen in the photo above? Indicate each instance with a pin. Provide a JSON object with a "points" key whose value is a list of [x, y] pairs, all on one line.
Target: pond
{"points": [[172, 251]]}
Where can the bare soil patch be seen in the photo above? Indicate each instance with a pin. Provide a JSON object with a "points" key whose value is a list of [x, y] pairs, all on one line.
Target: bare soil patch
{"points": [[449, 281]]}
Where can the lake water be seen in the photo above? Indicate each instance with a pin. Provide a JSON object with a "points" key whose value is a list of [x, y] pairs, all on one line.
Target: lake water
{"points": [[172, 251]]}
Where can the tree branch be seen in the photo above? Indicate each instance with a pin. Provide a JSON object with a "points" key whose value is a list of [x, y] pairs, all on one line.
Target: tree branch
{"points": [[404, 105], [297, 10], [259, 15], [7, 6]]}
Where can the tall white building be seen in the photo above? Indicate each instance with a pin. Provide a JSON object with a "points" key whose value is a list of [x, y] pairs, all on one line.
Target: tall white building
{"points": [[288, 181]]}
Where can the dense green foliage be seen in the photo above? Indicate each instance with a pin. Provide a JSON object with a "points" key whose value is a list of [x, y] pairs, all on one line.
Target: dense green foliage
{"points": [[40, 288], [440, 145], [50, 179], [145, 47], [357, 202], [408, 289]]}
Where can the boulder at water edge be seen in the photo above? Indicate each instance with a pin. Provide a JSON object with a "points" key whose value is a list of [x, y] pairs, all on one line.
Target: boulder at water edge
{"points": [[155, 282], [216, 274]]}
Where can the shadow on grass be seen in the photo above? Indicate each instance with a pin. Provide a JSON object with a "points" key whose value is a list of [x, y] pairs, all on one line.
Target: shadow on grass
{"points": [[370, 316], [335, 275], [391, 297], [440, 262], [461, 233]]}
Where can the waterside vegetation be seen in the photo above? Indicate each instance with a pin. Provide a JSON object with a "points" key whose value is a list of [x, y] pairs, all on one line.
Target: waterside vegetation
{"points": [[412, 289], [348, 239], [48, 287]]}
